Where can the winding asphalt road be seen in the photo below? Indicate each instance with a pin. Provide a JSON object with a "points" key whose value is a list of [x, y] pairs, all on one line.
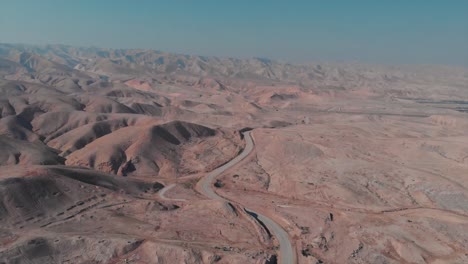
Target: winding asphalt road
{"points": [[286, 254]]}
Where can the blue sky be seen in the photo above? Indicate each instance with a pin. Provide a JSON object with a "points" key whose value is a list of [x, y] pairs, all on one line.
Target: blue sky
{"points": [[383, 31]]}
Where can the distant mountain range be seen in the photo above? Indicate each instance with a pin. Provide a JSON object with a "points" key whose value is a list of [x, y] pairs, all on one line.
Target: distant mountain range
{"points": [[52, 63]]}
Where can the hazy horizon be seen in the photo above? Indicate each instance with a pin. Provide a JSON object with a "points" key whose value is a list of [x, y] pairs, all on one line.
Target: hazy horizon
{"points": [[419, 32], [241, 132]]}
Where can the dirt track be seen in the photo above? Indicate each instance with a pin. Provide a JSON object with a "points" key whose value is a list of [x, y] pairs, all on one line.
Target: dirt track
{"points": [[163, 191]]}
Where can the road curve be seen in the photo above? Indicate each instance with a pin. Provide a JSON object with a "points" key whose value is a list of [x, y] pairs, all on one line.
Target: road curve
{"points": [[286, 255], [163, 191]]}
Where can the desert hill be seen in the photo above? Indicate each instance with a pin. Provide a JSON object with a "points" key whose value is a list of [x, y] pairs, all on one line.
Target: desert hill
{"points": [[103, 151]]}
